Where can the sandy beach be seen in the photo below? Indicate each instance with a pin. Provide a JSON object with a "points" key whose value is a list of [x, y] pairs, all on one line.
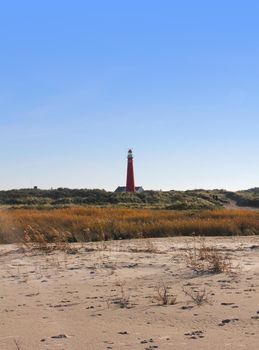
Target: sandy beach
{"points": [[105, 295]]}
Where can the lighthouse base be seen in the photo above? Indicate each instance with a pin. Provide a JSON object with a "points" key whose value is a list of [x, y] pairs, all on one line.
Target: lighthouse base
{"points": [[122, 189]]}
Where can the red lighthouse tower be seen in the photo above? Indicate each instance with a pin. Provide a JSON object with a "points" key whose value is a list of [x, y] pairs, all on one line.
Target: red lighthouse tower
{"points": [[130, 186]]}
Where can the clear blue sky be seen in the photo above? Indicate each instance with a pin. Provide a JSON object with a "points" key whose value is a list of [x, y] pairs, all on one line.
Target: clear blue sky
{"points": [[81, 81]]}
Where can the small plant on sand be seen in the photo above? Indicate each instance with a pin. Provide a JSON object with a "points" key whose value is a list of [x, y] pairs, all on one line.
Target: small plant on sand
{"points": [[101, 246], [148, 247], [197, 296], [163, 296], [64, 247], [123, 299], [203, 259], [17, 345]]}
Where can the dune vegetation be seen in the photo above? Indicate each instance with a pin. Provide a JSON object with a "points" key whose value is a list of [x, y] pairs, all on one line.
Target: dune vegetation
{"points": [[83, 224]]}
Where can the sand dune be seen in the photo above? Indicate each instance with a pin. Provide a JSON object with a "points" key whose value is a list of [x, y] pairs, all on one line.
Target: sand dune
{"points": [[105, 296]]}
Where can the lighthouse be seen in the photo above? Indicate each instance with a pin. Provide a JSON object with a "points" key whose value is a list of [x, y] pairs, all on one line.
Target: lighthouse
{"points": [[130, 181], [130, 184]]}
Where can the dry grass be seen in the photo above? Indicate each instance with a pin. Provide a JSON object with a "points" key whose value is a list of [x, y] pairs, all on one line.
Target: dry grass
{"points": [[204, 259], [198, 297], [17, 345], [148, 247], [163, 296], [100, 224], [46, 248], [122, 299]]}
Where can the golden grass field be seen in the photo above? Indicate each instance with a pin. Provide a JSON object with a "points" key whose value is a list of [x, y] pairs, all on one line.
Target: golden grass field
{"points": [[95, 224]]}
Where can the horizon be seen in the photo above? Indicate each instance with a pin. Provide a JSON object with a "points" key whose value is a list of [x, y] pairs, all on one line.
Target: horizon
{"points": [[145, 189], [82, 82]]}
